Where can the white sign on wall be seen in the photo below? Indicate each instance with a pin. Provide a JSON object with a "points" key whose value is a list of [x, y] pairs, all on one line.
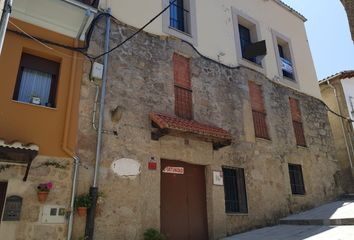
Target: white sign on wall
{"points": [[218, 178], [126, 167]]}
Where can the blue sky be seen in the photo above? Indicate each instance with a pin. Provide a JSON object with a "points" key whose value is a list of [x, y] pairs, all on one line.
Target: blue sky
{"points": [[328, 33]]}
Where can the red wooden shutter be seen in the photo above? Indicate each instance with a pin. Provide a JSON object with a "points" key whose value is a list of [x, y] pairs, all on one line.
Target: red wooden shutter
{"points": [[183, 89], [297, 122], [258, 111]]}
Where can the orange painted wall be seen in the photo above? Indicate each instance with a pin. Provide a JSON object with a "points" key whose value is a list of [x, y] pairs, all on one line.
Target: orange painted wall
{"points": [[54, 130]]}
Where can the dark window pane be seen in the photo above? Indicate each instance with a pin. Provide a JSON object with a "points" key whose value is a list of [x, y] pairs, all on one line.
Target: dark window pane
{"points": [[235, 190], [296, 179], [245, 40], [177, 15], [36, 81]]}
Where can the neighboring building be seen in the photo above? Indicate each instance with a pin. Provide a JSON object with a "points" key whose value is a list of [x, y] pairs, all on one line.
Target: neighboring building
{"points": [[338, 93], [197, 149], [349, 8], [39, 88]]}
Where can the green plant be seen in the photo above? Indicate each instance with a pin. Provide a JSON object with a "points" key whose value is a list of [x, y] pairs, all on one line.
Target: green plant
{"points": [[153, 234], [83, 200]]}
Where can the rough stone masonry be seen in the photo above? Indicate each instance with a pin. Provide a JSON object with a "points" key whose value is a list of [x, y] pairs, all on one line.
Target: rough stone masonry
{"points": [[140, 81]]}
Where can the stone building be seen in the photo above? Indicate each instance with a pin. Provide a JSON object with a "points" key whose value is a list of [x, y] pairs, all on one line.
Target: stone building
{"points": [[349, 8], [39, 88], [208, 129], [337, 92]]}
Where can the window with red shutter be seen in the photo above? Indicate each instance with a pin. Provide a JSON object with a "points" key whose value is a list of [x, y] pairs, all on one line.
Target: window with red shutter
{"points": [[258, 111], [183, 88], [297, 122]]}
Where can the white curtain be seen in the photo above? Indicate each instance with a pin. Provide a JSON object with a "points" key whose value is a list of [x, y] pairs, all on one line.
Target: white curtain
{"points": [[34, 83]]}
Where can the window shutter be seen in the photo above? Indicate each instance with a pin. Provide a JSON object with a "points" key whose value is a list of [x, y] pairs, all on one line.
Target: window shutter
{"points": [[256, 96], [183, 91], [258, 111], [297, 122]]}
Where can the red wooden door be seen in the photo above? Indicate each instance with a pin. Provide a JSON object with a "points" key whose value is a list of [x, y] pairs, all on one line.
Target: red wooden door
{"points": [[3, 187], [183, 202]]}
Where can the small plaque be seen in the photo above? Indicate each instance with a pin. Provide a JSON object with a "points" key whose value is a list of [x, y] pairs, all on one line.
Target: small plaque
{"points": [[173, 170], [218, 178], [13, 207]]}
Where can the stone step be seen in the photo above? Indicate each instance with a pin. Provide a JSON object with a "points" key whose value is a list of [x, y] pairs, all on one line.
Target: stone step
{"points": [[319, 222], [334, 213], [347, 196]]}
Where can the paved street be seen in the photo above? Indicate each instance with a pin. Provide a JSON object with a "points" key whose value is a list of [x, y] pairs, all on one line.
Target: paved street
{"points": [[333, 221]]}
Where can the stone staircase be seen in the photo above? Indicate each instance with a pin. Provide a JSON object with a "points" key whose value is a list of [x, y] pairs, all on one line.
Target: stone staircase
{"points": [[337, 213]]}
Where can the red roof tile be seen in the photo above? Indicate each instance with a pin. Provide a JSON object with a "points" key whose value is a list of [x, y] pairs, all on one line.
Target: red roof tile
{"points": [[189, 126]]}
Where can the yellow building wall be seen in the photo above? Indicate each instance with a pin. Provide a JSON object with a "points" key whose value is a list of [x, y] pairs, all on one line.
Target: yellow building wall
{"points": [[54, 130]]}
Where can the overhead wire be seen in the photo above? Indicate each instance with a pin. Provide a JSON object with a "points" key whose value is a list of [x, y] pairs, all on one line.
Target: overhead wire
{"points": [[137, 32], [238, 67], [81, 50], [37, 40]]}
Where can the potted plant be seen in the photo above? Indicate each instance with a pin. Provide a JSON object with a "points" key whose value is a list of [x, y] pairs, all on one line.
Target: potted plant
{"points": [[43, 190], [82, 203], [153, 234]]}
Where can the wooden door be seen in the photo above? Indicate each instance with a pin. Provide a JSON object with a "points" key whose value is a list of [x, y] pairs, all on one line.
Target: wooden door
{"points": [[3, 187], [183, 201]]}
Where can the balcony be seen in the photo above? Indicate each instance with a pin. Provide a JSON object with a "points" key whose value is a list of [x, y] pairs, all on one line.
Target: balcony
{"points": [[48, 14]]}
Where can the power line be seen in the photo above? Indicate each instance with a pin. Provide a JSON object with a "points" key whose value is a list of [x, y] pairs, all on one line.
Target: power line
{"points": [[237, 67], [137, 32]]}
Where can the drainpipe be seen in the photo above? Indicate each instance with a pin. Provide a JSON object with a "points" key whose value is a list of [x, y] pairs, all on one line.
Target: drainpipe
{"points": [[73, 193], [341, 122], [4, 20], [90, 219]]}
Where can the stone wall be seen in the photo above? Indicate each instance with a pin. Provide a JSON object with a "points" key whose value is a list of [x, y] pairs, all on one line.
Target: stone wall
{"points": [[43, 170], [140, 80], [346, 175], [349, 8]]}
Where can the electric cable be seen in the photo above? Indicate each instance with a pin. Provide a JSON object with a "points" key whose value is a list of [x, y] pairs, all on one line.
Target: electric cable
{"points": [[137, 32], [238, 67], [39, 41]]}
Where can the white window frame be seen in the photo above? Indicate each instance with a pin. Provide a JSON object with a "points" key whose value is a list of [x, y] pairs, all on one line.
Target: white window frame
{"points": [[188, 37], [288, 81], [241, 18]]}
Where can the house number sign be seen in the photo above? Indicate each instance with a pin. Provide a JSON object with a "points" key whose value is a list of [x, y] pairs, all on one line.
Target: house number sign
{"points": [[173, 170]]}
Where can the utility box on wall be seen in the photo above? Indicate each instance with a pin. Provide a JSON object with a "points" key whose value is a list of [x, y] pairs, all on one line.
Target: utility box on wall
{"points": [[53, 214]]}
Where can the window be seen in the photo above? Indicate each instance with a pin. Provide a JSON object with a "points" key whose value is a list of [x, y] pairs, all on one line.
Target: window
{"points": [[235, 190], [180, 20], [180, 16], [245, 40], [284, 56], [296, 179], [183, 89], [36, 81], [297, 122], [250, 49], [258, 111]]}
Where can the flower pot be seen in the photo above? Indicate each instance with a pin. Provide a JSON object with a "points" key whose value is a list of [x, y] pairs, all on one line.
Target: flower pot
{"points": [[42, 196], [81, 211]]}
